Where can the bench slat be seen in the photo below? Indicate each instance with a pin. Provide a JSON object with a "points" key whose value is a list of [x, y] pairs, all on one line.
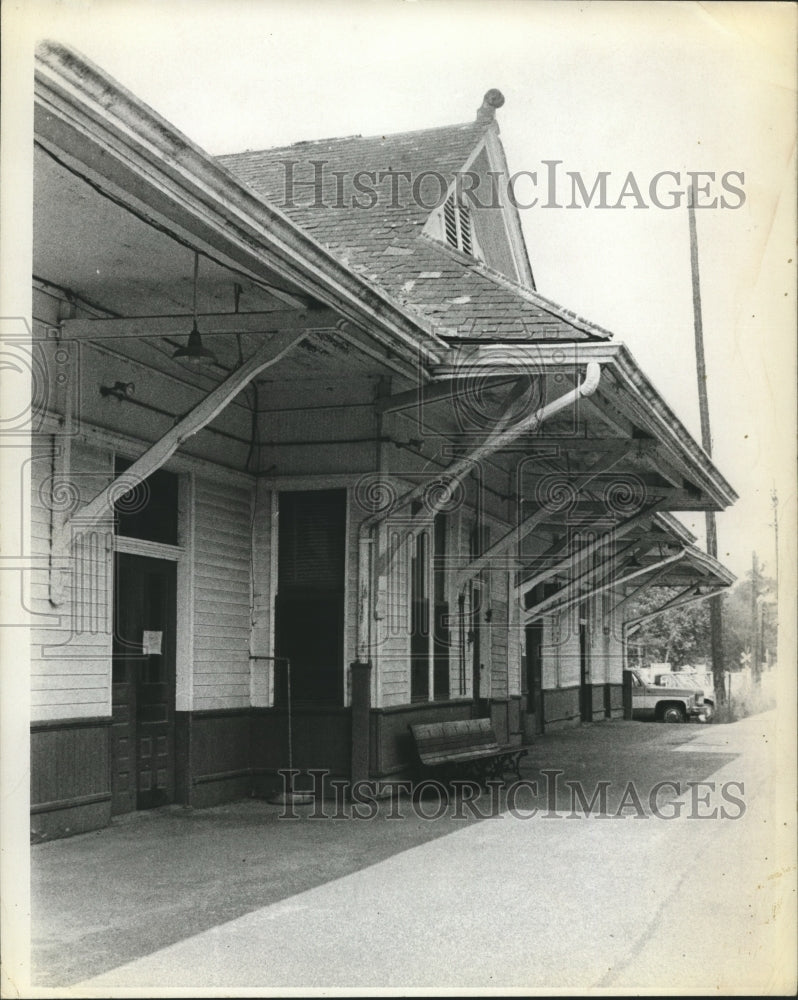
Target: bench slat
{"points": [[460, 741]]}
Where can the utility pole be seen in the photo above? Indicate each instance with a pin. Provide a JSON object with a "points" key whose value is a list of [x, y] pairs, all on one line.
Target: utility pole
{"points": [[715, 614]]}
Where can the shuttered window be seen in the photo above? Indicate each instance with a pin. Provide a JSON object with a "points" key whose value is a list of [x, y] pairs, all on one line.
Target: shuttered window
{"points": [[312, 539]]}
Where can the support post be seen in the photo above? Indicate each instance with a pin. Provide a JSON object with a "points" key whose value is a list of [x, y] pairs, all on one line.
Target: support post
{"points": [[361, 712], [627, 694]]}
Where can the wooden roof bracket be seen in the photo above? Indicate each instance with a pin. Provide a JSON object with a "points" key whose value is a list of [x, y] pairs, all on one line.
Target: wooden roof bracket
{"points": [[606, 533], [643, 586], [517, 534], [507, 431], [154, 457], [688, 596], [555, 603]]}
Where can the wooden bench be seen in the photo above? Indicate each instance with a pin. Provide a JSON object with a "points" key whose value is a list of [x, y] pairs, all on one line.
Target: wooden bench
{"points": [[466, 745]]}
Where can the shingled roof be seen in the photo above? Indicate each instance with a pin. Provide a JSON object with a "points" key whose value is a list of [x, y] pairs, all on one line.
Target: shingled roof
{"points": [[376, 228]]}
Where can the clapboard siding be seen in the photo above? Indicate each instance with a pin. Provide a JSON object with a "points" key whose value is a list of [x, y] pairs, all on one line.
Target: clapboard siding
{"points": [[70, 658], [567, 649], [393, 655], [498, 637], [222, 604], [55, 668]]}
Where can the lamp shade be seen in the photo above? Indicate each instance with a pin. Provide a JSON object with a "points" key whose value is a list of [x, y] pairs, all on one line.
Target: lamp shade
{"points": [[194, 353]]}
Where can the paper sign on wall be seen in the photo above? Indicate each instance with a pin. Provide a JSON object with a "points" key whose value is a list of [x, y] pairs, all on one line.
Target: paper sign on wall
{"points": [[151, 643]]}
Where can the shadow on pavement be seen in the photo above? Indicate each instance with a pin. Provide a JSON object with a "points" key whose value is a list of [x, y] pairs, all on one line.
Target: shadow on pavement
{"points": [[155, 878]]}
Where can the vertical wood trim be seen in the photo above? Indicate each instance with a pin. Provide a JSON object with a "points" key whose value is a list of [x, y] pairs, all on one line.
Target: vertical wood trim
{"points": [[348, 652], [274, 543], [487, 588], [382, 603], [184, 649], [456, 543], [261, 645]]}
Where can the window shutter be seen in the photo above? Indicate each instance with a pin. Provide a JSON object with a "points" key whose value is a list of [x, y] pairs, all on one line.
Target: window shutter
{"points": [[312, 540]]}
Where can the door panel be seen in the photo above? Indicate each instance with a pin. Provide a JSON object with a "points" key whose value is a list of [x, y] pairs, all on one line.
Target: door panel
{"points": [[143, 684]]}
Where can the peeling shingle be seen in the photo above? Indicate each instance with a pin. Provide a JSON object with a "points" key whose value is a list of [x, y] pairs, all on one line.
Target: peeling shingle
{"points": [[386, 243]]}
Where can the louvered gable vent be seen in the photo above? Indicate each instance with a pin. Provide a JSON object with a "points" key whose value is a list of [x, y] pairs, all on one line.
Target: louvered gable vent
{"points": [[457, 225]]}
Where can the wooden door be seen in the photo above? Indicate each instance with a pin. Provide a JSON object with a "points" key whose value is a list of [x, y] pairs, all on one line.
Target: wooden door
{"points": [[143, 689]]}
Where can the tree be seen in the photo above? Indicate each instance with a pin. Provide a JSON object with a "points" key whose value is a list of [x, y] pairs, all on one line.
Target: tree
{"points": [[680, 636], [742, 634]]}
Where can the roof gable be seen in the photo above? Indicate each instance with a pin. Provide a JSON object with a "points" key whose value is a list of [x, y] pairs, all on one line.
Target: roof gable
{"points": [[374, 202], [350, 178]]}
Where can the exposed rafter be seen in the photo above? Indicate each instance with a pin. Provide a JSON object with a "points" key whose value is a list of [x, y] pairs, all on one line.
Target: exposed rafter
{"points": [[212, 324], [607, 533]]}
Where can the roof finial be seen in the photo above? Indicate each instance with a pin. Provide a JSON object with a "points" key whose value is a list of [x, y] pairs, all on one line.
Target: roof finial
{"points": [[492, 100]]}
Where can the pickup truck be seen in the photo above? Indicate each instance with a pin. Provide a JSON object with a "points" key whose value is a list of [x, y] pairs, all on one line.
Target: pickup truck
{"points": [[665, 704], [701, 682]]}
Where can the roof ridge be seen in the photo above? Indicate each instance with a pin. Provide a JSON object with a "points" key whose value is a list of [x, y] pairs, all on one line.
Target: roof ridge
{"points": [[357, 136], [530, 294]]}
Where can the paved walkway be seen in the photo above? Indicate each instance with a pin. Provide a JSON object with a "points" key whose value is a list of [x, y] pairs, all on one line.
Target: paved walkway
{"points": [[237, 898]]}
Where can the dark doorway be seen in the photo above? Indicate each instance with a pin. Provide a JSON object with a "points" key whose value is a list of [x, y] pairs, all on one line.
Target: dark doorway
{"points": [[309, 619], [585, 688], [534, 677], [143, 684]]}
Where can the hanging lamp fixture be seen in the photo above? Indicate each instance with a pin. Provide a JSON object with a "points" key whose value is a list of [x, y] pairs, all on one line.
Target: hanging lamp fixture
{"points": [[194, 353]]}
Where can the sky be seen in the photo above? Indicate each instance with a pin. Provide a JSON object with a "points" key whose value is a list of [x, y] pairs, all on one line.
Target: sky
{"points": [[615, 87]]}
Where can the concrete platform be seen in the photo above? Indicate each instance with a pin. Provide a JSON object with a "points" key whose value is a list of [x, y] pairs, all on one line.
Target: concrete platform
{"points": [[241, 898]]}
